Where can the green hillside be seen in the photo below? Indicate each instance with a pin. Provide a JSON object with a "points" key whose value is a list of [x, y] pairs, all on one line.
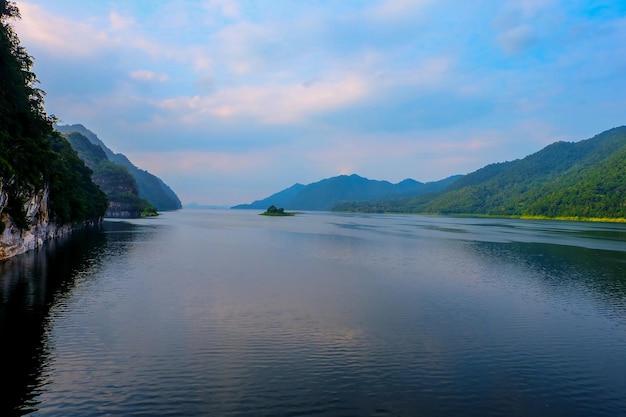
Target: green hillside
{"points": [[150, 187], [115, 180], [33, 157], [585, 179]]}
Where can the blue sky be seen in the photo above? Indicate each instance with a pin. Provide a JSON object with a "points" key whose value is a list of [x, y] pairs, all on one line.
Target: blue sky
{"points": [[229, 101]]}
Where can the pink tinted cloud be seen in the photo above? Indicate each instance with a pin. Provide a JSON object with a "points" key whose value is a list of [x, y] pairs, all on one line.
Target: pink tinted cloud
{"points": [[270, 104], [58, 35]]}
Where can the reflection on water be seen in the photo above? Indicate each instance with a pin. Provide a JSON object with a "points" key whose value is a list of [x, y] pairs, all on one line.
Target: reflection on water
{"points": [[229, 313], [598, 274], [30, 285]]}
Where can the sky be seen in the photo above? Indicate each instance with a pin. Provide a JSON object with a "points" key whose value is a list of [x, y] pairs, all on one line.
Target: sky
{"points": [[230, 101]]}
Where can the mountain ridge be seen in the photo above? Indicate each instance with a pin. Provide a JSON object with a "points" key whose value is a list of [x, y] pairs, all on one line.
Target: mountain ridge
{"points": [[114, 179], [584, 179], [326, 193], [150, 187]]}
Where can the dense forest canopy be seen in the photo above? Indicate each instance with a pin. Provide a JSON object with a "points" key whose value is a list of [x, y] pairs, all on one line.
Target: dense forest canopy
{"points": [[32, 156]]}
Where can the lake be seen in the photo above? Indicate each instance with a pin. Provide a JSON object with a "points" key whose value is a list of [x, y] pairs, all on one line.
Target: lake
{"points": [[227, 313]]}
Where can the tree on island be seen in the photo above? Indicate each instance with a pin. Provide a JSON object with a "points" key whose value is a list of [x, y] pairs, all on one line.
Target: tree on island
{"points": [[273, 211]]}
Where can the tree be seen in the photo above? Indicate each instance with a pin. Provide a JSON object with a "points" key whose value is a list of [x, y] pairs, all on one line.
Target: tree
{"points": [[32, 156]]}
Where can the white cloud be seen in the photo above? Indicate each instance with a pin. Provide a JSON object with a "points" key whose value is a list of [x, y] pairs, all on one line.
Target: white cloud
{"points": [[119, 35], [58, 35], [119, 22], [228, 8], [272, 104], [394, 9], [149, 76]]}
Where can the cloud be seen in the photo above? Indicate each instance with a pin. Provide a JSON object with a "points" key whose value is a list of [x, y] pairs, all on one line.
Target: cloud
{"points": [[62, 36], [119, 22], [118, 38], [149, 76], [395, 9], [228, 8], [246, 47], [387, 89], [271, 104], [517, 40]]}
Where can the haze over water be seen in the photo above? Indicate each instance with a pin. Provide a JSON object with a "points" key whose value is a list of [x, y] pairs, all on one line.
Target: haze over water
{"points": [[206, 312]]}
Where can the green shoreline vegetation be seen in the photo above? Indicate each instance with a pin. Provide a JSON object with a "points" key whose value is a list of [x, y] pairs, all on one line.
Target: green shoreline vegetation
{"points": [[150, 211], [577, 219], [496, 216]]}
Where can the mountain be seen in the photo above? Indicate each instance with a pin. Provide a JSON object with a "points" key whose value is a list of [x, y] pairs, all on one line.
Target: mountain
{"points": [[115, 180], [585, 179], [45, 188], [151, 187], [280, 199], [327, 193]]}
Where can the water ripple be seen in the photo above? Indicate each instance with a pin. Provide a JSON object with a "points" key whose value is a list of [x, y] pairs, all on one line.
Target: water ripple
{"points": [[329, 315]]}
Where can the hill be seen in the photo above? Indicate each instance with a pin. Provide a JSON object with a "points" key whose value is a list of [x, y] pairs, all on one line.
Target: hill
{"points": [[585, 179], [151, 187], [327, 193], [115, 180], [45, 189]]}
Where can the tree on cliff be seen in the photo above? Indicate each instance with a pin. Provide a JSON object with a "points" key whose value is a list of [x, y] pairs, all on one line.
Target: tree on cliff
{"points": [[32, 156]]}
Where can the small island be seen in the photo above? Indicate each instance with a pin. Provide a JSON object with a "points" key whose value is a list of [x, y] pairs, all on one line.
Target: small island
{"points": [[273, 211]]}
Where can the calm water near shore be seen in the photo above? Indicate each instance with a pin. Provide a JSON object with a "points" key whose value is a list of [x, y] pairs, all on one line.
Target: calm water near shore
{"points": [[227, 313]]}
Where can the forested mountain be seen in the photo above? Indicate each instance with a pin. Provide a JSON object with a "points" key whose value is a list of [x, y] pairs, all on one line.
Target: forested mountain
{"points": [[41, 177], [585, 179], [280, 199], [115, 180], [327, 193], [150, 187]]}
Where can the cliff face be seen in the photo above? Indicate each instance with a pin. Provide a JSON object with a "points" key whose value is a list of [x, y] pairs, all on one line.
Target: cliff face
{"points": [[14, 241], [45, 188]]}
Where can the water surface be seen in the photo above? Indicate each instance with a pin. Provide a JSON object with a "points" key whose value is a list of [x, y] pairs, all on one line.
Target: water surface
{"points": [[227, 313]]}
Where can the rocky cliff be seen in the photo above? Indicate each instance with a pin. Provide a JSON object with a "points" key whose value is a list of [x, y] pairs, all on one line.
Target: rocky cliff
{"points": [[45, 188], [14, 240]]}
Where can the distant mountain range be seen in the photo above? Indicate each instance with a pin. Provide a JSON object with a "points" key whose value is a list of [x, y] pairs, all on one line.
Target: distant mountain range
{"points": [[150, 187], [579, 180], [575, 180], [327, 193]]}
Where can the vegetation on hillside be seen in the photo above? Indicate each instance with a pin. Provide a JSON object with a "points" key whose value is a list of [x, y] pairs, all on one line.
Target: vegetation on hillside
{"points": [[115, 180], [32, 155], [150, 187], [586, 179]]}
